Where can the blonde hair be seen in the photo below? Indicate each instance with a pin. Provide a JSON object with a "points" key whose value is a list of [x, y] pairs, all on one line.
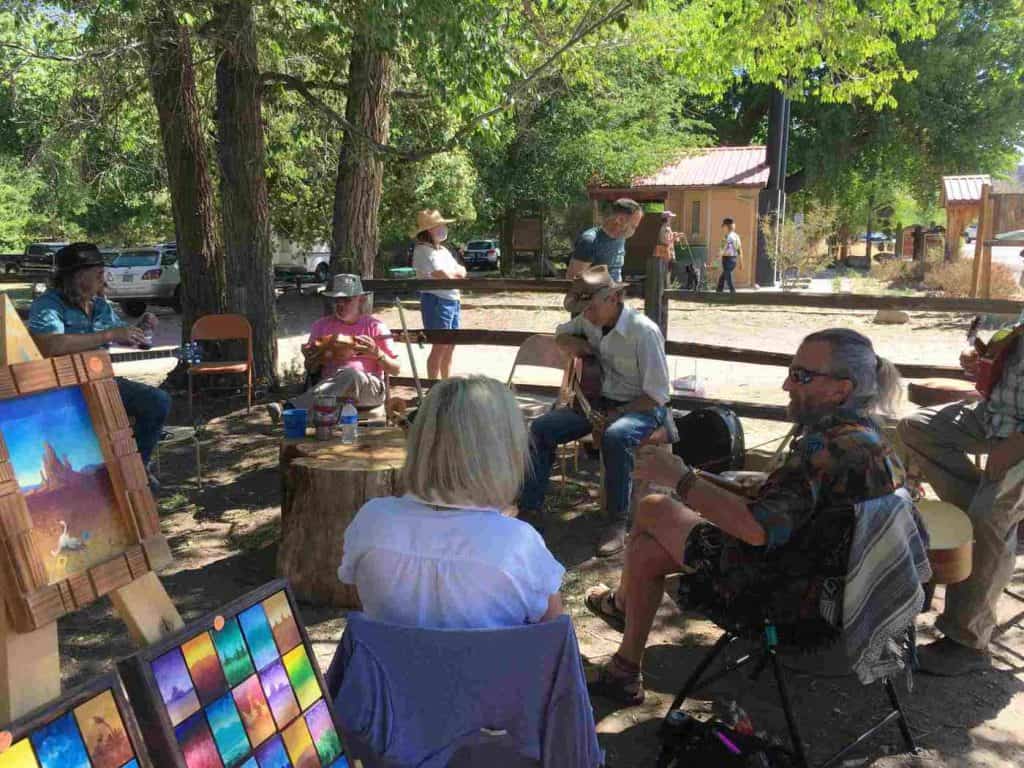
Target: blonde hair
{"points": [[468, 445]]}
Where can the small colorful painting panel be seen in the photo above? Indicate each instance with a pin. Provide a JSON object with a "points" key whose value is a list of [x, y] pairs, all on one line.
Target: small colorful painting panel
{"points": [[204, 666], [175, 684], [254, 710], [300, 672], [234, 656], [196, 742], [282, 622], [300, 746], [91, 727], [279, 693], [321, 728], [227, 729], [104, 733], [273, 755]]}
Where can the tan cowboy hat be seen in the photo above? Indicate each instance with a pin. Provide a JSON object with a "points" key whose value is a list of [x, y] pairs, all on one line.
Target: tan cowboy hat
{"points": [[590, 284], [429, 218]]}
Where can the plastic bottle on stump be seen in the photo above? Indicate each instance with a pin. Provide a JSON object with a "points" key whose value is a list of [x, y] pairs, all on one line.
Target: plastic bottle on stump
{"points": [[349, 423]]}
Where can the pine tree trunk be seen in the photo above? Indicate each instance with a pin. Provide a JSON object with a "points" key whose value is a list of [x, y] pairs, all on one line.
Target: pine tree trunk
{"points": [[357, 195], [172, 81], [245, 213]]}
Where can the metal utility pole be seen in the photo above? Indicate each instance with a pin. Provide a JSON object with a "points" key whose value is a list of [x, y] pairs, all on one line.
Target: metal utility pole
{"points": [[771, 201]]}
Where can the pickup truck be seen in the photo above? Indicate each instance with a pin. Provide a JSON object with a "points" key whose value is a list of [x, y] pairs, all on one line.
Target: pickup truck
{"points": [[292, 260], [37, 259]]}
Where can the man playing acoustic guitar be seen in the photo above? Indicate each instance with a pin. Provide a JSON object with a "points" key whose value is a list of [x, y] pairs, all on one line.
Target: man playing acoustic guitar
{"points": [[940, 440], [632, 402]]}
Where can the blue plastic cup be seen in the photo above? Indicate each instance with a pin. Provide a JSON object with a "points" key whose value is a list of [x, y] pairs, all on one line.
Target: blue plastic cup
{"points": [[294, 422]]}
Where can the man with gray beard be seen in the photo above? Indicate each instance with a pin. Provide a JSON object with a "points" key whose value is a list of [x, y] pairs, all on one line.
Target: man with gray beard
{"points": [[799, 525]]}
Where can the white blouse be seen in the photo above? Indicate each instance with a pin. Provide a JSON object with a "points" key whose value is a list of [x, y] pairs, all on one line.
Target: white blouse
{"points": [[421, 565]]}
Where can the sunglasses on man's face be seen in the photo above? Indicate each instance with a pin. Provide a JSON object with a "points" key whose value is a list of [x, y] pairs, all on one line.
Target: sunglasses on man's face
{"points": [[799, 375]]}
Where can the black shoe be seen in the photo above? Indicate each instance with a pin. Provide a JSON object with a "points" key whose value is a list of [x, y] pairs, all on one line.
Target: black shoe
{"points": [[947, 658]]}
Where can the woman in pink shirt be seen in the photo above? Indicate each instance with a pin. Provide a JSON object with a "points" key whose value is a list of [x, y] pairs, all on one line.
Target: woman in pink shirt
{"points": [[353, 372]]}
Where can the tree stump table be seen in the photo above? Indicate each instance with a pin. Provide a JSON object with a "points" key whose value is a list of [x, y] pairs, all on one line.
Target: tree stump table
{"points": [[323, 485]]}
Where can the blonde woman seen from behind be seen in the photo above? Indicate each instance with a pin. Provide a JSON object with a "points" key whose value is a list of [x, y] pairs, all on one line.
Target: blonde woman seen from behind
{"points": [[443, 555]]}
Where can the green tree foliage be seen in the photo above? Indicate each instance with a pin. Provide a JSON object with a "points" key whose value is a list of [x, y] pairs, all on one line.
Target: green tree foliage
{"points": [[962, 113], [78, 122]]}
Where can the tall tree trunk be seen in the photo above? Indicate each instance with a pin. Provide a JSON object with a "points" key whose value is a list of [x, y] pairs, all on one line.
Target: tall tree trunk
{"points": [[245, 216], [172, 81], [508, 232], [357, 195]]}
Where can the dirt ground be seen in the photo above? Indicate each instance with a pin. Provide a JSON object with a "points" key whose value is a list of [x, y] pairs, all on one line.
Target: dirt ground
{"points": [[224, 542]]}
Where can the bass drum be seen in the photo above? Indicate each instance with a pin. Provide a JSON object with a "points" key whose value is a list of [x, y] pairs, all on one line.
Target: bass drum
{"points": [[710, 439]]}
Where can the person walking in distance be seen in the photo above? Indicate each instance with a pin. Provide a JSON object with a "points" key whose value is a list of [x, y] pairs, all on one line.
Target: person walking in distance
{"points": [[730, 253]]}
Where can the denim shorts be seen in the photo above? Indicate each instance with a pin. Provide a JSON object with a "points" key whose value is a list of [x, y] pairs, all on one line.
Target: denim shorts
{"points": [[439, 314]]}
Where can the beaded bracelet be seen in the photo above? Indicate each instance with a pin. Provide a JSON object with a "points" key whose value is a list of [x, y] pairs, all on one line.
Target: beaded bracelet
{"points": [[685, 483]]}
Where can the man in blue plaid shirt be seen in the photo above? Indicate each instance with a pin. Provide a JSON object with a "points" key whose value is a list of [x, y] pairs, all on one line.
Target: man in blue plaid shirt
{"points": [[941, 440]]}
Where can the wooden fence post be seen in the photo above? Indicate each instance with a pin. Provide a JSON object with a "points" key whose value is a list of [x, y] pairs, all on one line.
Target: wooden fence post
{"points": [[984, 230], [655, 306]]}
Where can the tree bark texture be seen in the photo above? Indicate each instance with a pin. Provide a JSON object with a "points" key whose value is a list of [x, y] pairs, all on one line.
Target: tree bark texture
{"points": [[245, 213], [357, 195], [172, 81]]}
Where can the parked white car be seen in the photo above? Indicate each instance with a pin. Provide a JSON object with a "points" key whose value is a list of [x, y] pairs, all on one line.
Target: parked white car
{"points": [[482, 254], [290, 258], [146, 275]]}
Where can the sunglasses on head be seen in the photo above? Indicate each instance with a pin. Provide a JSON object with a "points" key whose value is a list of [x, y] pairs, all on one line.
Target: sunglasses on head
{"points": [[799, 375]]}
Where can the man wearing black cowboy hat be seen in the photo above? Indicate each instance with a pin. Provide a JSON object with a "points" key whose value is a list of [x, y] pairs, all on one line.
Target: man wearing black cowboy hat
{"points": [[73, 316], [634, 396]]}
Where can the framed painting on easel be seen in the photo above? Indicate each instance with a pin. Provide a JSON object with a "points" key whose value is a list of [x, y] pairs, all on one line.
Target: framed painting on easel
{"points": [[77, 519]]}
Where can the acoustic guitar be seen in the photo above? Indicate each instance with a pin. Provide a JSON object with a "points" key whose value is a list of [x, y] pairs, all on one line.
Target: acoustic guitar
{"points": [[583, 375]]}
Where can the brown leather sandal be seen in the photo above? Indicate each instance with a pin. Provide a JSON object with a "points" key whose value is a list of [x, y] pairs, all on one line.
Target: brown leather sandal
{"points": [[618, 684], [600, 601]]}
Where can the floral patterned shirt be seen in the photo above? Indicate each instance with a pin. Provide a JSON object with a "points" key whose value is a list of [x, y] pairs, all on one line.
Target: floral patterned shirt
{"points": [[806, 509]]}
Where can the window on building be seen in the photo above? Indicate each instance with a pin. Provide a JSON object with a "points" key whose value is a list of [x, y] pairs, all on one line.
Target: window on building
{"points": [[695, 217]]}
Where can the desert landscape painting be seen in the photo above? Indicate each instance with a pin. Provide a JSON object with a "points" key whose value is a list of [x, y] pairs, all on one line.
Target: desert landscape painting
{"points": [[60, 470]]}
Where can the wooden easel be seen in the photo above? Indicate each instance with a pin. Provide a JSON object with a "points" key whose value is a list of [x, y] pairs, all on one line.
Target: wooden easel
{"points": [[1000, 212], [30, 661]]}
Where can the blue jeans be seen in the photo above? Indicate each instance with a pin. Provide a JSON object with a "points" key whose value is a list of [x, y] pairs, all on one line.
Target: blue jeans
{"points": [[725, 279], [617, 446], [148, 407], [615, 273]]}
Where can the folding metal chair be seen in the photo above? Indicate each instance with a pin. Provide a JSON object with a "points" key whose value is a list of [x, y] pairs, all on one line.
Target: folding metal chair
{"points": [[222, 328]]}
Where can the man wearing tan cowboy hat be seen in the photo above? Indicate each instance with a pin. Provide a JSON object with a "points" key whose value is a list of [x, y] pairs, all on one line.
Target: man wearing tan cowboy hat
{"points": [[349, 349], [634, 394], [440, 307]]}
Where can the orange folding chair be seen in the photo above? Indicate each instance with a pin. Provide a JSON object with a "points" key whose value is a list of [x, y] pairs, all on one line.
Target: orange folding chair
{"points": [[222, 328]]}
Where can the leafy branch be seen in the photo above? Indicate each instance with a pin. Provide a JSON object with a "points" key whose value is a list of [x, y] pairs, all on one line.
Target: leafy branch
{"points": [[306, 89]]}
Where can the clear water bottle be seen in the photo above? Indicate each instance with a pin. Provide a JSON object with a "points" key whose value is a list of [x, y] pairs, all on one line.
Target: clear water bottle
{"points": [[349, 423]]}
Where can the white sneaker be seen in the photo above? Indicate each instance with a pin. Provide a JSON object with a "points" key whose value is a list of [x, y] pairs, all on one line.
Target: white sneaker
{"points": [[274, 411]]}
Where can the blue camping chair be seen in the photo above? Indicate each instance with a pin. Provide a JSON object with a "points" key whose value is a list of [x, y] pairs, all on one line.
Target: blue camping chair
{"points": [[502, 698]]}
